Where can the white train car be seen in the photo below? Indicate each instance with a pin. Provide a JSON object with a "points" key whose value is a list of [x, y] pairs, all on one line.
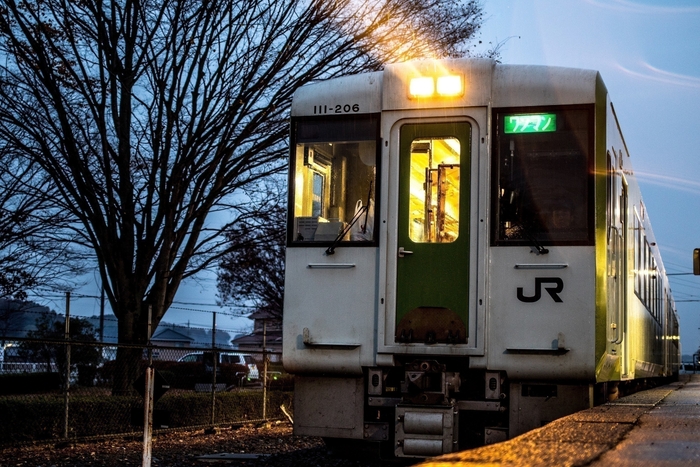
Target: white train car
{"points": [[468, 256]]}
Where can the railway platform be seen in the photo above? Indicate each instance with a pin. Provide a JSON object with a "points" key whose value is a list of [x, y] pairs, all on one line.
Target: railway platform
{"points": [[656, 427]]}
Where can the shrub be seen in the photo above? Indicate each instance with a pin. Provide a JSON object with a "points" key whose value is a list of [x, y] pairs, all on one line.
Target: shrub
{"points": [[29, 383], [41, 417], [283, 382]]}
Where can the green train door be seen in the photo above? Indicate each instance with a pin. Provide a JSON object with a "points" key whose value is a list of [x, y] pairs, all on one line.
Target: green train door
{"points": [[432, 286]]}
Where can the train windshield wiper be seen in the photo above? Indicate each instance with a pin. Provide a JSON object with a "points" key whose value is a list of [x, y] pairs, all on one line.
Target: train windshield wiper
{"points": [[535, 246], [364, 210], [331, 249]]}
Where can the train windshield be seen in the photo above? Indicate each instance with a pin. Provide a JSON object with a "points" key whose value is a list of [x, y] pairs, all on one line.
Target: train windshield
{"points": [[543, 183], [333, 180]]}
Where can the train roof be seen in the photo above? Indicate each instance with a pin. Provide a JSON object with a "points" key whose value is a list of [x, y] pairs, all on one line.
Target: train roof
{"points": [[486, 83]]}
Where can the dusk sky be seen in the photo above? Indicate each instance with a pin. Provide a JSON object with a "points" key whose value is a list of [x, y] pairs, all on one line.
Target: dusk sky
{"points": [[648, 53]]}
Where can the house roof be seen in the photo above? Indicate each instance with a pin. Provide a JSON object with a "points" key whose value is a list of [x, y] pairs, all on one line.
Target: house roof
{"points": [[263, 314], [171, 335], [272, 338]]}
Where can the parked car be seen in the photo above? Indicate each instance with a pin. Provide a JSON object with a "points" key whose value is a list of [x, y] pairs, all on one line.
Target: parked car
{"points": [[226, 358]]}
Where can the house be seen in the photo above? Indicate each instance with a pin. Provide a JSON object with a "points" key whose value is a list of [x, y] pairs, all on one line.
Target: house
{"points": [[268, 327], [17, 318], [170, 337], [181, 340]]}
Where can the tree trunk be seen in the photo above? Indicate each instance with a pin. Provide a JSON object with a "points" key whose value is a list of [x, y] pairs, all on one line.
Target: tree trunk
{"points": [[129, 359], [128, 365]]}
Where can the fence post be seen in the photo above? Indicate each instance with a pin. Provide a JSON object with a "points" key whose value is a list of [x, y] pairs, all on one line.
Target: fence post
{"points": [[148, 397], [148, 335], [148, 418], [215, 356], [264, 369], [66, 393]]}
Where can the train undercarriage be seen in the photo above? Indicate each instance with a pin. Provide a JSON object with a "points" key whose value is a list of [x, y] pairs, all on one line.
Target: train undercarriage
{"points": [[428, 407]]}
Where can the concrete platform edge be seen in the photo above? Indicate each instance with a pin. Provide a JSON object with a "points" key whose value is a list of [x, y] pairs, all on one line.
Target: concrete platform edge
{"points": [[576, 440]]}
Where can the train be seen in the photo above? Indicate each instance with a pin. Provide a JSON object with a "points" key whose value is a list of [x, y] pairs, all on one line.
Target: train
{"points": [[468, 257]]}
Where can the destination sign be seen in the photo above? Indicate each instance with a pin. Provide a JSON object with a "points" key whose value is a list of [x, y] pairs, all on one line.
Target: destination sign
{"points": [[530, 123]]}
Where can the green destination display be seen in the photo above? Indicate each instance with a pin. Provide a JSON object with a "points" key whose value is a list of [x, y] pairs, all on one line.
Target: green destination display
{"points": [[530, 123]]}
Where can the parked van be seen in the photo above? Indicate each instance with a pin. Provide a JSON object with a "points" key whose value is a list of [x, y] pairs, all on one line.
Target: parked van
{"points": [[226, 358]]}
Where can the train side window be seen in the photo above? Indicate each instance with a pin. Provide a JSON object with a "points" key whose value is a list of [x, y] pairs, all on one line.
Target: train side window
{"points": [[333, 180], [434, 190], [542, 191]]}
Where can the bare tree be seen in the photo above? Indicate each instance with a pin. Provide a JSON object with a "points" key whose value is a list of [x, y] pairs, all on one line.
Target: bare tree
{"points": [[12, 318], [33, 228], [251, 273], [45, 347], [154, 118]]}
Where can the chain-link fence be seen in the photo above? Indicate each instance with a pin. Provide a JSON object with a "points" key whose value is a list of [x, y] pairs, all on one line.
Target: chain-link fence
{"points": [[67, 389]]}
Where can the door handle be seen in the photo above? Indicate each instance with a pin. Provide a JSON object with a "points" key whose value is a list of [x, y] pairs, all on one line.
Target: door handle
{"points": [[403, 252]]}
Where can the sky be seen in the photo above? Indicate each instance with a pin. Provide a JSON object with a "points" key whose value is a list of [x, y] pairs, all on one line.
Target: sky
{"points": [[648, 54]]}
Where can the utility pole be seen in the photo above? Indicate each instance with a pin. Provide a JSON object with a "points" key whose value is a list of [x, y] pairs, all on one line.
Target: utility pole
{"points": [[102, 315], [66, 393]]}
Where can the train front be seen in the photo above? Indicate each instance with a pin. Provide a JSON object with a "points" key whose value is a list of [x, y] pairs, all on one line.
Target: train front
{"points": [[440, 268]]}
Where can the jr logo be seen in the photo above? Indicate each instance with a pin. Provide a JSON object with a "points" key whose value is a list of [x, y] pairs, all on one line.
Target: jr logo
{"points": [[553, 291]]}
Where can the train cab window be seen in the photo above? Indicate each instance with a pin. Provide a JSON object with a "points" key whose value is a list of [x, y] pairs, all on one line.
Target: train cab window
{"points": [[434, 190], [333, 178], [542, 190]]}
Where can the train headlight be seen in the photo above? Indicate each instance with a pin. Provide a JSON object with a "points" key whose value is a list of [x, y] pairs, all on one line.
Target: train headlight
{"points": [[422, 87], [431, 86], [449, 86]]}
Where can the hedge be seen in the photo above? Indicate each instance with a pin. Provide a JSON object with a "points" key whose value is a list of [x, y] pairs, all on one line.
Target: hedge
{"points": [[29, 383], [41, 417]]}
